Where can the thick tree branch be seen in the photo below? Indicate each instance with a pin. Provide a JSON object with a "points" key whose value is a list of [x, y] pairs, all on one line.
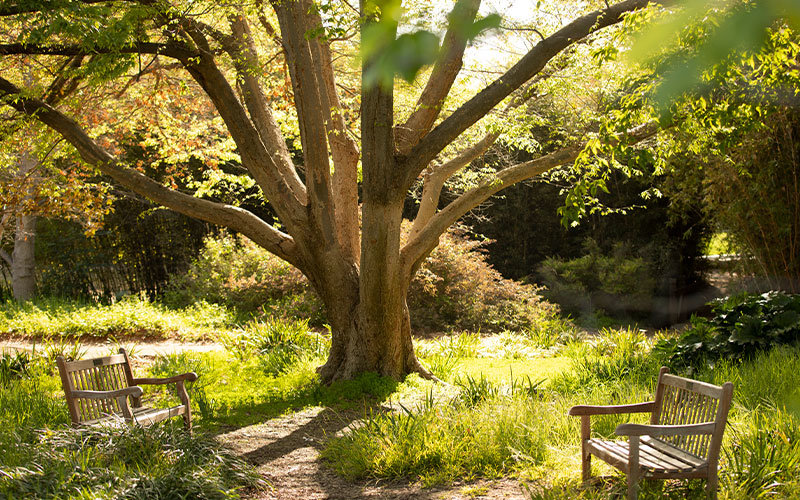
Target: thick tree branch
{"points": [[173, 50], [344, 150], [255, 155], [7, 258], [527, 67], [427, 238], [436, 176], [444, 73], [294, 21], [245, 58], [235, 218]]}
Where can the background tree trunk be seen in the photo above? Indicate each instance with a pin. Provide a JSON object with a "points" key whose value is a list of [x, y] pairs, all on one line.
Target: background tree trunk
{"points": [[23, 262]]}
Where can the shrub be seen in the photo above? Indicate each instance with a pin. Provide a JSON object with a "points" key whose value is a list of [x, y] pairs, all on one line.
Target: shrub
{"points": [[234, 271], [740, 326], [456, 288], [616, 282]]}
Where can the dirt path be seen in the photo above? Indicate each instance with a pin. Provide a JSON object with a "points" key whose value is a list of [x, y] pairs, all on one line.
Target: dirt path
{"points": [[286, 451]]}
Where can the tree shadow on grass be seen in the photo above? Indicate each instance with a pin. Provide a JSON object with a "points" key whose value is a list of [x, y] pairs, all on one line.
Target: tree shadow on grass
{"points": [[365, 391]]}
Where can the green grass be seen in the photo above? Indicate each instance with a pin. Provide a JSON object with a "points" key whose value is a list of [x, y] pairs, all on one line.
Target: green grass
{"points": [[131, 316], [500, 369], [502, 411], [161, 461], [233, 393], [761, 450]]}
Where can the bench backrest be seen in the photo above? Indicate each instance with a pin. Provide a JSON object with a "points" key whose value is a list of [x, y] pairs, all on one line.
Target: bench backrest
{"points": [[681, 401], [108, 373]]}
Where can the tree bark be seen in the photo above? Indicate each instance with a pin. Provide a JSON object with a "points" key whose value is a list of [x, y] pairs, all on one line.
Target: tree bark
{"points": [[23, 262], [370, 327]]}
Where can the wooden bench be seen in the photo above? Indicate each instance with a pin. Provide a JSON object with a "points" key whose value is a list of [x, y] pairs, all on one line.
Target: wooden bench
{"points": [[683, 439], [97, 392]]}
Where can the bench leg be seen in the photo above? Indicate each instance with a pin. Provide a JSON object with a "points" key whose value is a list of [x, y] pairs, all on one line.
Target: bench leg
{"points": [[711, 486], [633, 468], [184, 397], [586, 457]]}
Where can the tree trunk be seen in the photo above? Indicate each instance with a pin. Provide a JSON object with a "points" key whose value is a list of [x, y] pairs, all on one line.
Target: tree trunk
{"points": [[370, 325], [23, 263], [358, 345]]}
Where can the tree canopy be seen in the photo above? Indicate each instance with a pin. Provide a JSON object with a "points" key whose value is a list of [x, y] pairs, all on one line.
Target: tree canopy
{"points": [[282, 89]]}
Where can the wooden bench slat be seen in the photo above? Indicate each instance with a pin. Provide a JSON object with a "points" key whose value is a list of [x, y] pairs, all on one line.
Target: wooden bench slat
{"points": [[691, 385], [650, 457], [668, 449], [85, 364], [142, 415]]}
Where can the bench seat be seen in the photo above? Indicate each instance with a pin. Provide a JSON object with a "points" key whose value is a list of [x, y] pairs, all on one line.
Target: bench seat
{"points": [[657, 459]]}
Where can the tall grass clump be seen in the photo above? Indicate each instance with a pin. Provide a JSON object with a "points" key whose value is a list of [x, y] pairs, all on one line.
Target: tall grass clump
{"points": [[131, 316], [123, 462], [762, 457], [277, 343], [437, 443], [770, 380], [30, 398], [611, 357]]}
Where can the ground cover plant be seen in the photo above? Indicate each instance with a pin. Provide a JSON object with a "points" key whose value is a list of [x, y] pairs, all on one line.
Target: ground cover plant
{"points": [[739, 327], [130, 317]]}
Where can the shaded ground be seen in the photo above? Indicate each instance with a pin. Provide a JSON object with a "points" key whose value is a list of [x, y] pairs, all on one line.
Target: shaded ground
{"points": [[286, 452]]}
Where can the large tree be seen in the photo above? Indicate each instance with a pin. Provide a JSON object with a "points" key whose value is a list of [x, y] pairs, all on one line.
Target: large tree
{"points": [[339, 208]]}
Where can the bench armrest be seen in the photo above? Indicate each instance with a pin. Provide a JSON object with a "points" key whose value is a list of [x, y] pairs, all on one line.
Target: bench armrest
{"points": [[133, 390], [665, 430], [582, 410], [190, 377]]}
